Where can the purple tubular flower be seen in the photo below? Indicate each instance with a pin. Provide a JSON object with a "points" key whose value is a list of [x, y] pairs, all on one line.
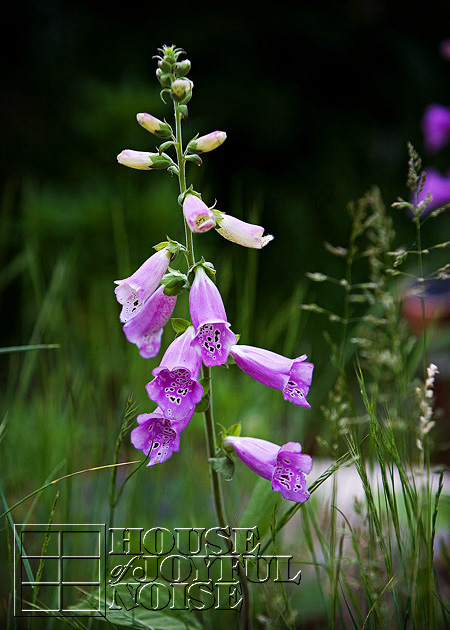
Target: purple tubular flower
{"points": [[197, 214], [439, 188], [212, 331], [284, 466], [157, 436], [436, 127], [134, 291], [145, 329], [175, 388], [292, 376]]}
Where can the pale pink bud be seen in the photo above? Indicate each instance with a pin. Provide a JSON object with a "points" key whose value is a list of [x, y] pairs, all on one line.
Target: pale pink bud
{"points": [[207, 143], [142, 160], [154, 125]]}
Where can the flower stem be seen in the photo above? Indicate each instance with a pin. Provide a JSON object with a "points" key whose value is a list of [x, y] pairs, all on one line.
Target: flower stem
{"points": [[216, 482], [216, 485], [219, 504], [182, 179]]}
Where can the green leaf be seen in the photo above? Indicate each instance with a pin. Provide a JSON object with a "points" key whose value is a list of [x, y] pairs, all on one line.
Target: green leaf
{"points": [[179, 325], [39, 346], [141, 618], [203, 405], [261, 507], [205, 383], [175, 282], [224, 466], [165, 145], [196, 159], [234, 430]]}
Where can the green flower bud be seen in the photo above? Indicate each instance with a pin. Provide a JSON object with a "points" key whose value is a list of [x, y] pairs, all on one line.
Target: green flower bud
{"points": [[165, 66], [182, 90], [182, 67], [163, 78]]}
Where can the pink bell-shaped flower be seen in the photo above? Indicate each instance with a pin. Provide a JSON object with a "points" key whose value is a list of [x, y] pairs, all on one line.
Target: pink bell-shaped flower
{"points": [[213, 335], [292, 376], [134, 291], [146, 328], [284, 466], [197, 214]]}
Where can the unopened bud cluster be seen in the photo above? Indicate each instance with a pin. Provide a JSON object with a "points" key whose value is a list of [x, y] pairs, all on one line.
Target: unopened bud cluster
{"points": [[171, 74]]}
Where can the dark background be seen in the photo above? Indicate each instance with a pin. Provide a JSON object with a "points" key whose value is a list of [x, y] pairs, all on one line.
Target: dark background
{"points": [[318, 99]]}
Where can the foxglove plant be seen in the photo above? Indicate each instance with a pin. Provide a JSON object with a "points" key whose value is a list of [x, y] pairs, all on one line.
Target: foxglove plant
{"points": [[182, 381]]}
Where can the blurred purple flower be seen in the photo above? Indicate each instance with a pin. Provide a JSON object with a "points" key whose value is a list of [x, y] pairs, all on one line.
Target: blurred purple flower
{"points": [[175, 388], [436, 127], [439, 188], [212, 331], [444, 49], [157, 436], [292, 376], [134, 291], [285, 466], [146, 327]]}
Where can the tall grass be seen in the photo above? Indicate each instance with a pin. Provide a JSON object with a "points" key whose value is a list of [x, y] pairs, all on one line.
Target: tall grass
{"points": [[375, 556]]}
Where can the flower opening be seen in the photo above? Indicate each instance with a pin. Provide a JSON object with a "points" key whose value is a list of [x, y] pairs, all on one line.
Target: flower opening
{"points": [[197, 214], [285, 466], [157, 436], [175, 388]]}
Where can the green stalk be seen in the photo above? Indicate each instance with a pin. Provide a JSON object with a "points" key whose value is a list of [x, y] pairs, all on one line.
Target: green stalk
{"points": [[422, 296], [182, 179], [219, 504], [210, 434]]}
